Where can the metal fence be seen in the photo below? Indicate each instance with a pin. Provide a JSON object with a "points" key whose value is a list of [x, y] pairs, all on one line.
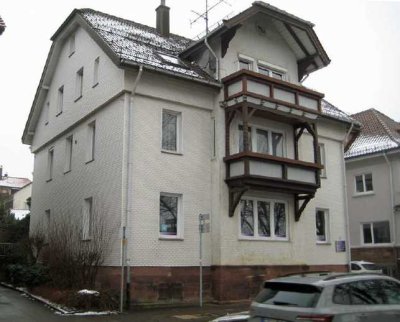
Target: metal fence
{"points": [[7, 248]]}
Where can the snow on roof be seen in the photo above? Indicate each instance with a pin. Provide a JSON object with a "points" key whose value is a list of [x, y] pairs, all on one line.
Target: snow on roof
{"points": [[2, 25], [13, 182], [332, 111], [141, 44], [19, 213], [379, 133]]}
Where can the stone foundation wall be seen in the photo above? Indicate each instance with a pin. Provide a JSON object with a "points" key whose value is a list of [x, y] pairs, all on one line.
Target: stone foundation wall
{"points": [[181, 284]]}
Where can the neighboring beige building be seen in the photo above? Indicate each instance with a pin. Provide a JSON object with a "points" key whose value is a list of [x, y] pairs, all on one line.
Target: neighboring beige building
{"points": [[373, 181], [20, 207], [153, 129]]}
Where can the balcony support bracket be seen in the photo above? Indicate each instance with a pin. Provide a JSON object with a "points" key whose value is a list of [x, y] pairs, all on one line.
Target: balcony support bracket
{"points": [[234, 198], [299, 208]]}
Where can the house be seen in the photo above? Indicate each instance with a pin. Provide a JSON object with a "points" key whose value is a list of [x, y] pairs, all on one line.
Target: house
{"points": [[154, 129], [21, 201], [372, 169], [9, 186]]}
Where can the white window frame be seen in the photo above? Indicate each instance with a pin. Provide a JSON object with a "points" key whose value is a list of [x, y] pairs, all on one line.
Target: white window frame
{"points": [[322, 156], [326, 228], [179, 217], [50, 164], [71, 45], [244, 58], [96, 66], [253, 142], [179, 143], [87, 219], [272, 69], [371, 223], [79, 84], [60, 100], [91, 142], [364, 192], [272, 220], [69, 142]]}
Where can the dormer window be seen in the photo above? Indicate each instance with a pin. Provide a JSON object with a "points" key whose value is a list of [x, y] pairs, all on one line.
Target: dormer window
{"points": [[264, 70]]}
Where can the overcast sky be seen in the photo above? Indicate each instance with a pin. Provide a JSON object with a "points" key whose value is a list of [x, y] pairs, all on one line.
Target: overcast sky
{"points": [[361, 37]]}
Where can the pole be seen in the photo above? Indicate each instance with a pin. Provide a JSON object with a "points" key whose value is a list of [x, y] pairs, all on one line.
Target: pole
{"points": [[201, 263], [123, 241]]}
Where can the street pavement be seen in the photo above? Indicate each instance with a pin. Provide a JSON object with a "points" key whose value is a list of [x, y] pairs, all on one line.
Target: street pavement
{"points": [[17, 307]]}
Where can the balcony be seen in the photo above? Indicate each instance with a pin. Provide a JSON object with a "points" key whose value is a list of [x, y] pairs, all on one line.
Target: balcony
{"points": [[271, 95], [248, 94]]}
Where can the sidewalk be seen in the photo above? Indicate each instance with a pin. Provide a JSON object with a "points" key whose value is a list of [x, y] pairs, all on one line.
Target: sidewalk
{"points": [[182, 314]]}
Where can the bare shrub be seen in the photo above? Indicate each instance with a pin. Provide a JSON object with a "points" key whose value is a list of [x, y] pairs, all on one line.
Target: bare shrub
{"points": [[72, 260]]}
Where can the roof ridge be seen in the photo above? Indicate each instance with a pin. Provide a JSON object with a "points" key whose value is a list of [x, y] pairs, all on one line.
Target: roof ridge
{"points": [[82, 10], [384, 125]]}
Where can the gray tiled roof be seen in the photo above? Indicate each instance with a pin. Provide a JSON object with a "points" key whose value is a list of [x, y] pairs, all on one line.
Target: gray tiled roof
{"points": [[379, 133], [139, 44]]}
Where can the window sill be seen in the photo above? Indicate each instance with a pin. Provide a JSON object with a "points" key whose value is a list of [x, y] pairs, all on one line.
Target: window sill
{"points": [[170, 238], [243, 238], [77, 99], [323, 243], [95, 85], [90, 161], [58, 114], [377, 245], [324, 177], [362, 194], [171, 152]]}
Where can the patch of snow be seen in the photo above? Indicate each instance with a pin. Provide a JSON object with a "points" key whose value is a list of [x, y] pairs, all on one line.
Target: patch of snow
{"points": [[242, 316], [91, 313], [88, 292]]}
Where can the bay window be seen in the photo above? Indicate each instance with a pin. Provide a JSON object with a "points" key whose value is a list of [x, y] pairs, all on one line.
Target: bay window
{"points": [[263, 141]]}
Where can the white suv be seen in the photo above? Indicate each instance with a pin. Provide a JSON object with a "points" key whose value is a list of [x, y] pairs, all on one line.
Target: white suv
{"points": [[328, 297], [364, 267]]}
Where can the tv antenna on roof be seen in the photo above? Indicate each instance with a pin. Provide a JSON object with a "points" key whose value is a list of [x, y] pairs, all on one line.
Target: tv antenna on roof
{"points": [[204, 15]]}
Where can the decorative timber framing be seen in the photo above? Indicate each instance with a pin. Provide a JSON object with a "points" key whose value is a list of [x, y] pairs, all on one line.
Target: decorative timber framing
{"points": [[243, 104], [298, 209]]}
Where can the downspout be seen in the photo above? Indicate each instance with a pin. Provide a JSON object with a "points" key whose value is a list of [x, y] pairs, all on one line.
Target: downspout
{"points": [[215, 56], [394, 230], [126, 182], [346, 204]]}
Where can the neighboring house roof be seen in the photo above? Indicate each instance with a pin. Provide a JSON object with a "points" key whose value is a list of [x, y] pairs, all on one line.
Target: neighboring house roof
{"points": [[379, 133], [20, 213], [2, 25], [13, 182]]}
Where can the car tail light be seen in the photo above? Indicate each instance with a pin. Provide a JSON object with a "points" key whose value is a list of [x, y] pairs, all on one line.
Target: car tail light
{"points": [[315, 318]]}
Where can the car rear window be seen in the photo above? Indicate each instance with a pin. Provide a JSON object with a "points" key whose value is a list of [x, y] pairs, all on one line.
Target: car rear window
{"points": [[371, 267], [367, 292], [289, 294]]}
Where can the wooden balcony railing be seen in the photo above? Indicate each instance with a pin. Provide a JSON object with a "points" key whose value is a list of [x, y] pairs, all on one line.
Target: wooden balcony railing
{"points": [[271, 93]]}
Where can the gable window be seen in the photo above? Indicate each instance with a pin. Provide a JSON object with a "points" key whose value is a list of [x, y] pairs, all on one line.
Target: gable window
{"points": [[47, 225], [171, 128], [322, 159], [270, 70], [263, 219], [91, 141], [96, 71], [363, 183], [60, 100], [71, 45], [375, 232], [79, 84], [263, 141], [87, 219], [50, 164], [170, 213], [46, 113], [68, 154], [322, 225]]}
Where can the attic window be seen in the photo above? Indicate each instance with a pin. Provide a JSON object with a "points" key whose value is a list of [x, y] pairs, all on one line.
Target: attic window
{"points": [[71, 45], [170, 59]]}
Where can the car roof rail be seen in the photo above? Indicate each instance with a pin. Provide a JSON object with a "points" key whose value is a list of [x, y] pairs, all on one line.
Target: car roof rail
{"points": [[340, 275], [320, 273]]}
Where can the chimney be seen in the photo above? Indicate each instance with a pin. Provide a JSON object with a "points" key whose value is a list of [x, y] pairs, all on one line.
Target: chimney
{"points": [[162, 23]]}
